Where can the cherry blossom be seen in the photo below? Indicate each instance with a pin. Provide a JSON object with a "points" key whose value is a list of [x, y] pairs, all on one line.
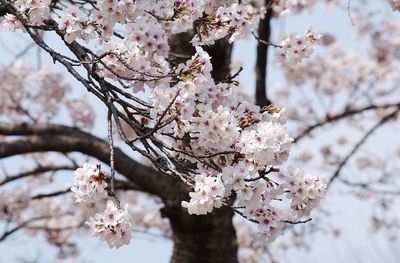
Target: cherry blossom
{"points": [[11, 22], [91, 183], [296, 48], [207, 195], [112, 226], [305, 191], [75, 23], [267, 144], [38, 10], [237, 21]]}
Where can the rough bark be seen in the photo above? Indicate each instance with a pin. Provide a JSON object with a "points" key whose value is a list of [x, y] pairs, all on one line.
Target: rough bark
{"points": [[220, 54], [203, 239]]}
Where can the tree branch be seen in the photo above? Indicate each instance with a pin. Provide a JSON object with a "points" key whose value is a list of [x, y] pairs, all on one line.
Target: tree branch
{"points": [[367, 187], [19, 227], [25, 128], [52, 194], [36, 171], [345, 114], [119, 185], [358, 145], [48, 137]]}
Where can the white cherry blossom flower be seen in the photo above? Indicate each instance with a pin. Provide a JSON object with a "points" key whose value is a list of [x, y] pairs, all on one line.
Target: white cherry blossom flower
{"points": [[112, 226], [91, 183]]}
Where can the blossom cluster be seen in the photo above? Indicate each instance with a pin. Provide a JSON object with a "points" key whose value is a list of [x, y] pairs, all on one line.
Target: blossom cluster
{"points": [[76, 25], [11, 22], [91, 183], [256, 196], [113, 225], [222, 18], [248, 144], [126, 59], [208, 193], [236, 20], [304, 190], [295, 48], [267, 144], [257, 134], [38, 11]]}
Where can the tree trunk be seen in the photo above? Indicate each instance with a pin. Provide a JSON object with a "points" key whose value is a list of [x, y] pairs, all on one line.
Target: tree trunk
{"points": [[209, 238], [264, 33], [203, 239], [220, 54]]}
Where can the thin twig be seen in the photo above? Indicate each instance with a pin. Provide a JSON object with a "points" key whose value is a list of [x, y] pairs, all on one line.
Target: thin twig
{"points": [[112, 164], [358, 145], [349, 12]]}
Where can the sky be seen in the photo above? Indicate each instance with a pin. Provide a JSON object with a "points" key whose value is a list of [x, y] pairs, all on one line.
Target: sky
{"points": [[357, 244]]}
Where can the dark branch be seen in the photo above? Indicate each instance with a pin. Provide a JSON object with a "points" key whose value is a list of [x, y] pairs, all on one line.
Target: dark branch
{"points": [[298, 222], [47, 137], [119, 185], [369, 188], [358, 145], [19, 227], [52, 194], [36, 129], [37, 171], [345, 114]]}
